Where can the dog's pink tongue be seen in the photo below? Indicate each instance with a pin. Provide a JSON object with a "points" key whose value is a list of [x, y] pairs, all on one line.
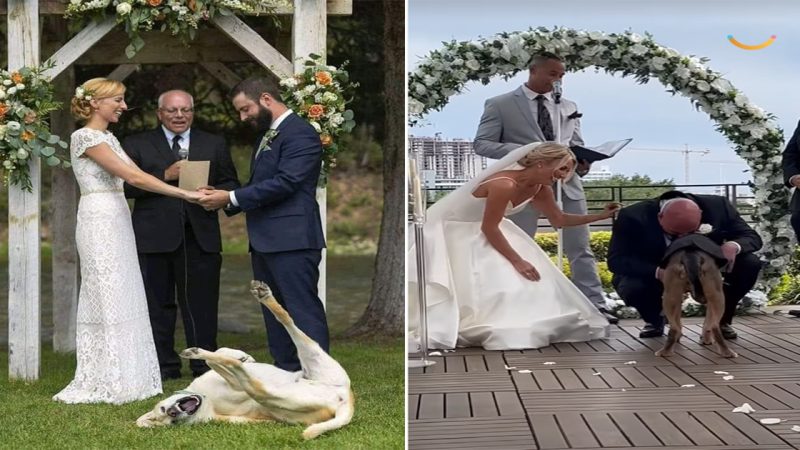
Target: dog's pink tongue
{"points": [[189, 405]]}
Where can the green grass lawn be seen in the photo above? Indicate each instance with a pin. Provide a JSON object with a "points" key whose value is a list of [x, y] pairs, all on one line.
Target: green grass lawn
{"points": [[30, 419]]}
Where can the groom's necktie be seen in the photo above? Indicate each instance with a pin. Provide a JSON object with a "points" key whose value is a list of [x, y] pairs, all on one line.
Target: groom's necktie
{"points": [[545, 122], [176, 145]]}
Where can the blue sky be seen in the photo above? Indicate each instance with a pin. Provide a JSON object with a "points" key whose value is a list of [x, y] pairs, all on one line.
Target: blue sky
{"points": [[615, 107]]}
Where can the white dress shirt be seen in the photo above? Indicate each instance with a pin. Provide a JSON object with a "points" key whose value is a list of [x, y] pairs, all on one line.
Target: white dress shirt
{"points": [[185, 136]]}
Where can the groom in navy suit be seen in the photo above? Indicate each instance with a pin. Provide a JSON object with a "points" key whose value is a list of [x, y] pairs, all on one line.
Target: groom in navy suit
{"points": [[283, 220]]}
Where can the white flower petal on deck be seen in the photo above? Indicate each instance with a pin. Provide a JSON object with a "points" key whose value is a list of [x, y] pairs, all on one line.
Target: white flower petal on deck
{"points": [[720, 372], [435, 354], [511, 368], [524, 371], [687, 385], [770, 421], [596, 373], [630, 363], [796, 428], [745, 408], [727, 377], [549, 363]]}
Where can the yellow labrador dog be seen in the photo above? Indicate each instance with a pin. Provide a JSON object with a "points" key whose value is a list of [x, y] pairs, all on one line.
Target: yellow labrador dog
{"points": [[240, 390]]}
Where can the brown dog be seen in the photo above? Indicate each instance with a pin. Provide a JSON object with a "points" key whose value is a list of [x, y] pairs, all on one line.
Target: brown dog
{"points": [[695, 271]]}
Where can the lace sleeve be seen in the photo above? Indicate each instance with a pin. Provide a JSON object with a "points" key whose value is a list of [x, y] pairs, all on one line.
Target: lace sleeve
{"points": [[84, 138]]}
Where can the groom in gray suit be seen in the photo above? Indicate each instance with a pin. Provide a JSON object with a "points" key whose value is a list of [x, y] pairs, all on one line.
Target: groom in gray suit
{"points": [[525, 115]]}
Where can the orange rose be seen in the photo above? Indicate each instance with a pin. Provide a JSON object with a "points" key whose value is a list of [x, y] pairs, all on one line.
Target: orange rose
{"points": [[30, 117], [316, 111], [192, 5], [16, 77], [27, 135], [323, 78], [154, 3], [3, 109], [326, 139]]}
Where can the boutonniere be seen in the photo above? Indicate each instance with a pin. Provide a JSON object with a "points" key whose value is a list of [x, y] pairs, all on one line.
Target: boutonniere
{"points": [[704, 229], [575, 115], [269, 136]]}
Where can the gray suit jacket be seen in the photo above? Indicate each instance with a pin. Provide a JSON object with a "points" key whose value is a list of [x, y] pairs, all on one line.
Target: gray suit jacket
{"points": [[507, 123]]}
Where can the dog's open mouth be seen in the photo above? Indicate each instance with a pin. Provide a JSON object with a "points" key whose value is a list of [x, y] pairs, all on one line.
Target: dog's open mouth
{"points": [[186, 405]]}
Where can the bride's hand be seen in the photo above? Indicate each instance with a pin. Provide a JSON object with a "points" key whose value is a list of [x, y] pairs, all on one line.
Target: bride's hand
{"points": [[192, 196], [611, 209], [527, 270]]}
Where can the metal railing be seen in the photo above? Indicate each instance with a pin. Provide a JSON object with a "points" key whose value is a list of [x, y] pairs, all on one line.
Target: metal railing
{"points": [[597, 196]]}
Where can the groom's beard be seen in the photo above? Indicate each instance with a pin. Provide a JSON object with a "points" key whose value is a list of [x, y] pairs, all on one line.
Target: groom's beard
{"points": [[263, 120]]}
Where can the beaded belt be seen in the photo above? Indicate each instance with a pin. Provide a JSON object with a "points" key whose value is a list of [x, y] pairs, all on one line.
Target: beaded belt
{"points": [[104, 191]]}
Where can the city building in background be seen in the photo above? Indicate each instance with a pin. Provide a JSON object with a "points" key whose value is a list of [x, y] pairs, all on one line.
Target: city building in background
{"points": [[446, 163]]}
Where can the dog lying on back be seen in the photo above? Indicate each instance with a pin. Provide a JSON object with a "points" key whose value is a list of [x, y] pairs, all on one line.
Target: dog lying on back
{"points": [[692, 265], [240, 390]]}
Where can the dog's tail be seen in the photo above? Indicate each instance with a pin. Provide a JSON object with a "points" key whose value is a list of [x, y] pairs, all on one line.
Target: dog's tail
{"points": [[344, 413], [692, 261]]}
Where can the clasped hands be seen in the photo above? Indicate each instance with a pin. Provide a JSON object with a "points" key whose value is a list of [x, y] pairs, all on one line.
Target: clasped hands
{"points": [[209, 198]]}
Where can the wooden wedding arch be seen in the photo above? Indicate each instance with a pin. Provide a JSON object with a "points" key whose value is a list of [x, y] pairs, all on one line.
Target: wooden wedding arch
{"points": [[229, 40]]}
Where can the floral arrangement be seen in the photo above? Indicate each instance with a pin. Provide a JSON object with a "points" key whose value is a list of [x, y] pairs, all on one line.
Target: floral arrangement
{"points": [[320, 95], [754, 134], [179, 17], [26, 98]]}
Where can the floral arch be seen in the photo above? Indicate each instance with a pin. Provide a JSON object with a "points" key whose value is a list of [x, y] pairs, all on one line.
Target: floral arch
{"points": [[757, 139]]}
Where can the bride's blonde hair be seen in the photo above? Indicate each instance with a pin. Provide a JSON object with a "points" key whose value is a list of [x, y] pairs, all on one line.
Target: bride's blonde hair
{"points": [[549, 151], [96, 88]]}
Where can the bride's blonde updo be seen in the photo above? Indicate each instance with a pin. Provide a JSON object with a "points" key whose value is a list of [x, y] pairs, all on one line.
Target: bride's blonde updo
{"points": [[549, 151], [96, 88]]}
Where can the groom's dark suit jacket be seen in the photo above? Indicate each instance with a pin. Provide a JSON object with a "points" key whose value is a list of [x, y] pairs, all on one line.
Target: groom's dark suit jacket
{"points": [[280, 198], [638, 243], [157, 219]]}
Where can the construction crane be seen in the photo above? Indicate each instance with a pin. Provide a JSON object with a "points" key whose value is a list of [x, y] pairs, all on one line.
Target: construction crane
{"points": [[686, 152]]}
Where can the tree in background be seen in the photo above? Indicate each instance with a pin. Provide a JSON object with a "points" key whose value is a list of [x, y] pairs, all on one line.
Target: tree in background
{"points": [[628, 189], [385, 312]]}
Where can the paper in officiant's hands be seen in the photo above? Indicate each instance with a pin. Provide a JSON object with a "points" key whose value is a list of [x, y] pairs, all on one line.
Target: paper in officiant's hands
{"points": [[602, 151], [194, 175]]}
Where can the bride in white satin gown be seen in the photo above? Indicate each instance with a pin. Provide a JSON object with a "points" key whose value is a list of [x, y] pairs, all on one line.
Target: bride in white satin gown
{"points": [[488, 283]]}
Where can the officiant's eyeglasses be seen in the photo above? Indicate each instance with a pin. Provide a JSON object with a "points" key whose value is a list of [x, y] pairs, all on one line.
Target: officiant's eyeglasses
{"points": [[173, 111]]}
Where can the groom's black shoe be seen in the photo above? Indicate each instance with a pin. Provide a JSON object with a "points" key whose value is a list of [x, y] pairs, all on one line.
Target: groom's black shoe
{"points": [[650, 331], [612, 319], [728, 332]]}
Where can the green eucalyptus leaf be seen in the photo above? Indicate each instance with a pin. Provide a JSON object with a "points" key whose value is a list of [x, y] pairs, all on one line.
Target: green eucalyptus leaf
{"points": [[48, 151], [53, 161]]}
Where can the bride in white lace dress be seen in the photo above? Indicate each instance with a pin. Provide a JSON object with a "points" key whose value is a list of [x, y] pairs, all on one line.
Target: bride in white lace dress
{"points": [[116, 356], [488, 283]]}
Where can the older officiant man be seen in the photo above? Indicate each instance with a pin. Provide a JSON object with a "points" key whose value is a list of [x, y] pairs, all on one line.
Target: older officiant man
{"points": [[179, 243]]}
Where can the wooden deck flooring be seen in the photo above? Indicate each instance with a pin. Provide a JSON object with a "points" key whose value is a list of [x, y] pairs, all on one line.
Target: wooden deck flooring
{"points": [[614, 393]]}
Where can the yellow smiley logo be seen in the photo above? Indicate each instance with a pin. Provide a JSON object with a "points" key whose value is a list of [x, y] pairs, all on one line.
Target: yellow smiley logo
{"points": [[764, 44]]}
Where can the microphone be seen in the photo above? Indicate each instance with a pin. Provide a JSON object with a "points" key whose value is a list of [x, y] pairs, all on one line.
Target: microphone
{"points": [[557, 91], [183, 153]]}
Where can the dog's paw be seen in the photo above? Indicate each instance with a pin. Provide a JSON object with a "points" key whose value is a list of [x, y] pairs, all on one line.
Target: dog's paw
{"points": [[729, 354], [191, 353], [260, 290], [310, 433]]}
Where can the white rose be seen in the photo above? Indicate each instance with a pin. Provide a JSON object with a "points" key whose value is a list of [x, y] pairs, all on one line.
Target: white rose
{"points": [[457, 62], [722, 85], [20, 87], [290, 82], [7, 82], [596, 35], [329, 97], [704, 228], [429, 80], [123, 8], [2, 94], [639, 49], [22, 154], [420, 89], [635, 37], [75, 2], [658, 63], [702, 86], [473, 64], [683, 73], [309, 89], [415, 106], [13, 126], [87, 97], [8, 164], [12, 90]]}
